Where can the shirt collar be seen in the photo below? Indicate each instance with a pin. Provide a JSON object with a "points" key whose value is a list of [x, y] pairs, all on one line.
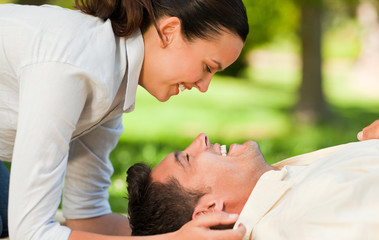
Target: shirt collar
{"points": [[272, 185], [135, 55], [308, 158], [267, 192]]}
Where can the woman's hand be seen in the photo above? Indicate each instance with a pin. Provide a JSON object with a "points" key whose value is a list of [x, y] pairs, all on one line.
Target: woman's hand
{"points": [[369, 132], [199, 228]]}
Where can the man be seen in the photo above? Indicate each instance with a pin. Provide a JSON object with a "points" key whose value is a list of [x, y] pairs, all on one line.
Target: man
{"points": [[328, 194]]}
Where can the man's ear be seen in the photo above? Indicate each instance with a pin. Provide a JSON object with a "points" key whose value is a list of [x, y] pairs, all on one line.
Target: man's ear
{"points": [[206, 206], [170, 28]]}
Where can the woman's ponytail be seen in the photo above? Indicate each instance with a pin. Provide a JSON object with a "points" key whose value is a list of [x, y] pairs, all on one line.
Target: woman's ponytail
{"points": [[126, 15]]}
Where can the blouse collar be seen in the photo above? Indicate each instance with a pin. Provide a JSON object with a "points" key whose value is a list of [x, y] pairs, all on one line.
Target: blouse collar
{"points": [[135, 55]]}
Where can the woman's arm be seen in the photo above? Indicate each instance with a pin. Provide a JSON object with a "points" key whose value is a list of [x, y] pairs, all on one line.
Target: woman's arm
{"points": [[52, 97], [85, 195], [109, 224], [196, 229], [369, 132]]}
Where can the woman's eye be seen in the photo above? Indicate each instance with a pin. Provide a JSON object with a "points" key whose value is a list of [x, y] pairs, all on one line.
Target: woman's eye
{"points": [[208, 69]]}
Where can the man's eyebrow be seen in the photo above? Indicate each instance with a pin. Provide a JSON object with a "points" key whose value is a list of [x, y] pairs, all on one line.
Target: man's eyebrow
{"points": [[177, 160], [219, 66]]}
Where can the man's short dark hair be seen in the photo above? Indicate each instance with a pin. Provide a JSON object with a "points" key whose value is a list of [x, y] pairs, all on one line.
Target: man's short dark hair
{"points": [[157, 208]]}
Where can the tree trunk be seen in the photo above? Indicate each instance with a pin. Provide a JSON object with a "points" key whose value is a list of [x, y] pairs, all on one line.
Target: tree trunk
{"points": [[32, 2], [311, 105]]}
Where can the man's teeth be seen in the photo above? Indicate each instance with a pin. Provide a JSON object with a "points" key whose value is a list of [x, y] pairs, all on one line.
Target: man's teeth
{"points": [[223, 150], [181, 87]]}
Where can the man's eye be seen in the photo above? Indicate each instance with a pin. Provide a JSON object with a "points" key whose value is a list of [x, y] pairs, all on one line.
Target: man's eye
{"points": [[187, 156]]}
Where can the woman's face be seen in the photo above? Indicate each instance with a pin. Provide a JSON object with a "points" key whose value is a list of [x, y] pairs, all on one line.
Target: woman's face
{"points": [[175, 60]]}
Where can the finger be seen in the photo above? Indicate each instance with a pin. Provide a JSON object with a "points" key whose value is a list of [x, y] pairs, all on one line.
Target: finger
{"points": [[370, 132], [241, 229], [217, 218], [360, 136]]}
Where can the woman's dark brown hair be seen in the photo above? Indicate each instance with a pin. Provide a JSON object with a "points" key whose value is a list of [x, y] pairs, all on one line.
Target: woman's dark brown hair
{"points": [[199, 18]]}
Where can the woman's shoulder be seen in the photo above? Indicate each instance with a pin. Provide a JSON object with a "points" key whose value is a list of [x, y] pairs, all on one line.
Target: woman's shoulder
{"points": [[34, 14], [59, 24], [53, 34]]}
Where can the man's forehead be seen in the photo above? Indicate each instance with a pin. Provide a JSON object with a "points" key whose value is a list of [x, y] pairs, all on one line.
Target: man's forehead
{"points": [[162, 170]]}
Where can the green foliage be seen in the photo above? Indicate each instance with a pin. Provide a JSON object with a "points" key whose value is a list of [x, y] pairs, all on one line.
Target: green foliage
{"points": [[267, 20], [270, 20], [63, 3]]}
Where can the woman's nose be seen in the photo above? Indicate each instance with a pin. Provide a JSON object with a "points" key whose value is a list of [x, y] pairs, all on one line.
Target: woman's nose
{"points": [[203, 84]]}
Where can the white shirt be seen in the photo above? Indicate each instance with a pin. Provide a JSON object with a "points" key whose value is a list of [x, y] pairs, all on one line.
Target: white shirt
{"points": [[65, 81], [329, 194]]}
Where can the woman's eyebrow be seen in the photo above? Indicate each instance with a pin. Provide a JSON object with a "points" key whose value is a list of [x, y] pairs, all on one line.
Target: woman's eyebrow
{"points": [[219, 66], [177, 160]]}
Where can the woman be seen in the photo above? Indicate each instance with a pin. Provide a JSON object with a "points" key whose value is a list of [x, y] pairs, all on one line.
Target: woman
{"points": [[67, 76]]}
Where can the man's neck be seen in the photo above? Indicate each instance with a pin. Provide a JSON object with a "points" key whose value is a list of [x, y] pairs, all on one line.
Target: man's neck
{"points": [[259, 171], [258, 174]]}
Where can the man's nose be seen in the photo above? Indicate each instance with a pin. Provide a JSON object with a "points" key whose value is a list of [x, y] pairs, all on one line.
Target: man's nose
{"points": [[201, 143]]}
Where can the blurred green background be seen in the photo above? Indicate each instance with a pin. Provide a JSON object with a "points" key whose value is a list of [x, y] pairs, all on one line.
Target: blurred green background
{"points": [[307, 79]]}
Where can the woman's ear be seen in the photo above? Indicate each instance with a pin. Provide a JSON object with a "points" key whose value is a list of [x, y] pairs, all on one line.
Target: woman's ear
{"points": [[170, 28], [205, 207]]}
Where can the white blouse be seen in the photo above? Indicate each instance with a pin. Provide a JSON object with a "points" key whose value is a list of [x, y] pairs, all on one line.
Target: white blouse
{"points": [[65, 80]]}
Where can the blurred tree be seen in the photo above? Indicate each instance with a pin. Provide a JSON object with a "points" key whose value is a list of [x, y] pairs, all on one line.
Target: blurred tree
{"points": [[270, 19], [311, 104], [307, 18]]}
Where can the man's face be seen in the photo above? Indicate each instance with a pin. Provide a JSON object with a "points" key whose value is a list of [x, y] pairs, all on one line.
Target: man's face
{"points": [[225, 179]]}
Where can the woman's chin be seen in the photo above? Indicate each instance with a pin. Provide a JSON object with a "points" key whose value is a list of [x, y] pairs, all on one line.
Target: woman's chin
{"points": [[163, 98]]}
